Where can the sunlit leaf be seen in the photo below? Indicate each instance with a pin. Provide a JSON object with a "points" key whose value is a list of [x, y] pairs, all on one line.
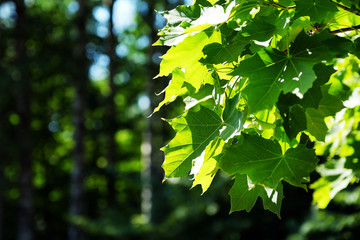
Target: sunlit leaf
{"points": [[209, 167], [174, 89], [194, 131], [334, 178]]}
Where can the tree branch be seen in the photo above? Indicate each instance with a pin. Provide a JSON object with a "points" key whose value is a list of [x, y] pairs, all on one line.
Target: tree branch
{"points": [[281, 6], [345, 8], [341, 30], [294, 6]]}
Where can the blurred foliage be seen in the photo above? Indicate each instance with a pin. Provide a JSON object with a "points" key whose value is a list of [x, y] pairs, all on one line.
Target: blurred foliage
{"points": [[177, 212]]}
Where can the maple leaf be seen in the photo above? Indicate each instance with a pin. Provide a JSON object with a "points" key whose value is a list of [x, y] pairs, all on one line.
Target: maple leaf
{"points": [[194, 131], [244, 194], [265, 164], [271, 71], [317, 10]]}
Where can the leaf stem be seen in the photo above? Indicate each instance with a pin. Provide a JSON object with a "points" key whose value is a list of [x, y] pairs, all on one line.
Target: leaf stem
{"points": [[284, 147], [281, 6], [236, 81], [345, 8]]}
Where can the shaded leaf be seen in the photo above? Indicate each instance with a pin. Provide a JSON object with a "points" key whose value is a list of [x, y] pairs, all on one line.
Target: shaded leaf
{"points": [[295, 122], [263, 161], [317, 10], [217, 53], [244, 194], [266, 23], [272, 71], [315, 124], [312, 98], [329, 105]]}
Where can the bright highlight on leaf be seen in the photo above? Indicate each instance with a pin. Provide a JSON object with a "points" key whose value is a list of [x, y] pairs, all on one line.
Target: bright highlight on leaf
{"points": [[262, 95]]}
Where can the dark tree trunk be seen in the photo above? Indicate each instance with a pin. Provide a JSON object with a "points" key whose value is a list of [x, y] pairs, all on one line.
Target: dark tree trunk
{"points": [[80, 83], [111, 114], [1, 202], [23, 91], [151, 155]]}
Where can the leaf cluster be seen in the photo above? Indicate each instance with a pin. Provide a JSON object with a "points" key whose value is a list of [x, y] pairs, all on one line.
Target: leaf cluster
{"points": [[255, 77]]}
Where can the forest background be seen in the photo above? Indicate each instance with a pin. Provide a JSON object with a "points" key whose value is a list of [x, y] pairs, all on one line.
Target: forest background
{"points": [[79, 157]]}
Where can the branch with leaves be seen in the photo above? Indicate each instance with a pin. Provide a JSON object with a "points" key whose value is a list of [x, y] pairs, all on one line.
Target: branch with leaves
{"points": [[254, 78]]}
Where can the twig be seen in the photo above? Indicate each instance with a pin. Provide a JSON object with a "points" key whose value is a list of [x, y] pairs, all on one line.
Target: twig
{"points": [[337, 4], [341, 30], [281, 6], [345, 8]]}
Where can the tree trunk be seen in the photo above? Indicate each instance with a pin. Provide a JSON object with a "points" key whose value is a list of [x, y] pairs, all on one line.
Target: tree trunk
{"points": [[151, 177], [111, 114], [23, 91], [1, 203], [80, 84]]}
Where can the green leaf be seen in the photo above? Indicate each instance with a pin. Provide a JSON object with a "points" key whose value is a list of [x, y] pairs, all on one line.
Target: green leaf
{"points": [[315, 124], [317, 10], [196, 75], [323, 73], [286, 101], [317, 93], [244, 194], [203, 96], [190, 19], [209, 167], [174, 89], [226, 75], [334, 178], [295, 122], [205, 3], [329, 105], [241, 12], [272, 71], [181, 14], [217, 53], [174, 33], [214, 15], [171, 36], [286, 3], [260, 29], [194, 131], [319, 104], [312, 98], [339, 47], [232, 117], [186, 55], [262, 91], [265, 164], [266, 23]]}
